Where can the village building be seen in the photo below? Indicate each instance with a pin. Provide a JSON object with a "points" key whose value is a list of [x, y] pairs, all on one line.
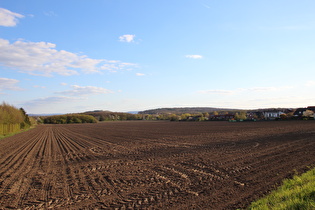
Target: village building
{"points": [[272, 115], [299, 112]]}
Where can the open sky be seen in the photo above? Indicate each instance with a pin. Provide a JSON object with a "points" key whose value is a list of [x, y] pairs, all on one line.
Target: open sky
{"points": [[60, 56]]}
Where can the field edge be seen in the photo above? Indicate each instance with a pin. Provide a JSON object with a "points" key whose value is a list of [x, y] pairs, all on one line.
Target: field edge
{"points": [[295, 193]]}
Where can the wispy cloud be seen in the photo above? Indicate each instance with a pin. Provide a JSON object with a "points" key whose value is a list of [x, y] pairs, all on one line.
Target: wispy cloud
{"points": [[8, 18], [50, 14], [206, 6], [310, 83], [38, 86], [51, 100], [140, 74], [84, 91], [194, 56], [127, 38], [115, 66], [9, 84], [287, 28], [258, 89], [241, 90], [224, 92], [41, 58]]}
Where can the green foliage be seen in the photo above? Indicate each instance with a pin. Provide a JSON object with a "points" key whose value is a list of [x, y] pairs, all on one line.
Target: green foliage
{"points": [[10, 115], [113, 116], [185, 117], [69, 118], [174, 117], [183, 110], [296, 193], [240, 116], [12, 120]]}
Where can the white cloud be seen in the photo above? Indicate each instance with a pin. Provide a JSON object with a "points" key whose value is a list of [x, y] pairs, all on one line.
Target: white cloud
{"points": [[114, 66], [127, 38], [38, 86], [84, 91], [310, 83], [258, 89], [194, 56], [140, 74], [9, 84], [41, 58], [8, 18], [216, 91]]}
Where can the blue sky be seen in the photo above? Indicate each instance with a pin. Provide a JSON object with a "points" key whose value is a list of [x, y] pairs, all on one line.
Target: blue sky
{"points": [[122, 55]]}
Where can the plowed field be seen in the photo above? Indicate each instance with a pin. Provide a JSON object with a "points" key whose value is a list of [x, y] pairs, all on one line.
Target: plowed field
{"points": [[151, 165]]}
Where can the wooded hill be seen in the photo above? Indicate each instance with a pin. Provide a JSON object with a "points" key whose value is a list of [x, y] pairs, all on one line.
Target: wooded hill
{"points": [[197, 110], [192, 110]]}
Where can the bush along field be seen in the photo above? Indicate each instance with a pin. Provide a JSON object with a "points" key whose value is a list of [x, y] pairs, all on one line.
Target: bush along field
{"points": [[13, 120], [69, 118], [296, 193]]}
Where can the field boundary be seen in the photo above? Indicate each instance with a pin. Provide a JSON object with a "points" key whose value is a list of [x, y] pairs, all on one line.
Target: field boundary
{"points": [[295, 193], [2, 136]]}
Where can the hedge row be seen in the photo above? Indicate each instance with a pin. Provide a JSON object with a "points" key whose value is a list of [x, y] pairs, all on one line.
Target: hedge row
{"points": [[12, 120], [9, 128], [69, 118]]}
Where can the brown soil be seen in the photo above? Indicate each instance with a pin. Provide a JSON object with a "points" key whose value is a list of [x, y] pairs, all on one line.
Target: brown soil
{"points": [[151, 165]]}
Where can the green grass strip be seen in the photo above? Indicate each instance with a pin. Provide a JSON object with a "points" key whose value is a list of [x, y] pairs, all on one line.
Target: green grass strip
{"points": [[12, 134], [294, 194]]}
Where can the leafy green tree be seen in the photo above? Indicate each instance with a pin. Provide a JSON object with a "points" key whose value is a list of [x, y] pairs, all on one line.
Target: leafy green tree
{"points": [[173, 117], [308, 114], [215, 113], [240, 116], [184, 117]]}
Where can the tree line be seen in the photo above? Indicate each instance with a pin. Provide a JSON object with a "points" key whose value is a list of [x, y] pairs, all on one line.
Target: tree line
{"points": [[13, 119], [69, 118], [197, 116]]}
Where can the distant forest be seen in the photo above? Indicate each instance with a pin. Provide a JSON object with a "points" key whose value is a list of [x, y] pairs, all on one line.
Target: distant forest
{"points": [[190, 110], [179, 114]]}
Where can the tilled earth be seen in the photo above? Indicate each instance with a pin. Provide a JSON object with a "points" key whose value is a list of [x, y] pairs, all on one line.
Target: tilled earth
{"points": [[151, 165]]}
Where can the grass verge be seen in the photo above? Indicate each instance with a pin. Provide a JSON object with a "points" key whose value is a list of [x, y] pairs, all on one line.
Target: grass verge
{"points": [[12, 134], [296, 193]]}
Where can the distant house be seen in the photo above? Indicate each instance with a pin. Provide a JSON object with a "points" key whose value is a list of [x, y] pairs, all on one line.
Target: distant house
{"points": [[272, 114], [299, 112], [312, 108], [254, 115]]}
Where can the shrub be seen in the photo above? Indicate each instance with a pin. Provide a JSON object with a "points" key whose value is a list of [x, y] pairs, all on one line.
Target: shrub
{"points": [[12, 119], [70, 118]]}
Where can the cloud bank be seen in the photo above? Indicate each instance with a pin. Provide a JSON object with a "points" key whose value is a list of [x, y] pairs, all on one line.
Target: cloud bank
{"points": [[84, 91], [41, 58]]}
